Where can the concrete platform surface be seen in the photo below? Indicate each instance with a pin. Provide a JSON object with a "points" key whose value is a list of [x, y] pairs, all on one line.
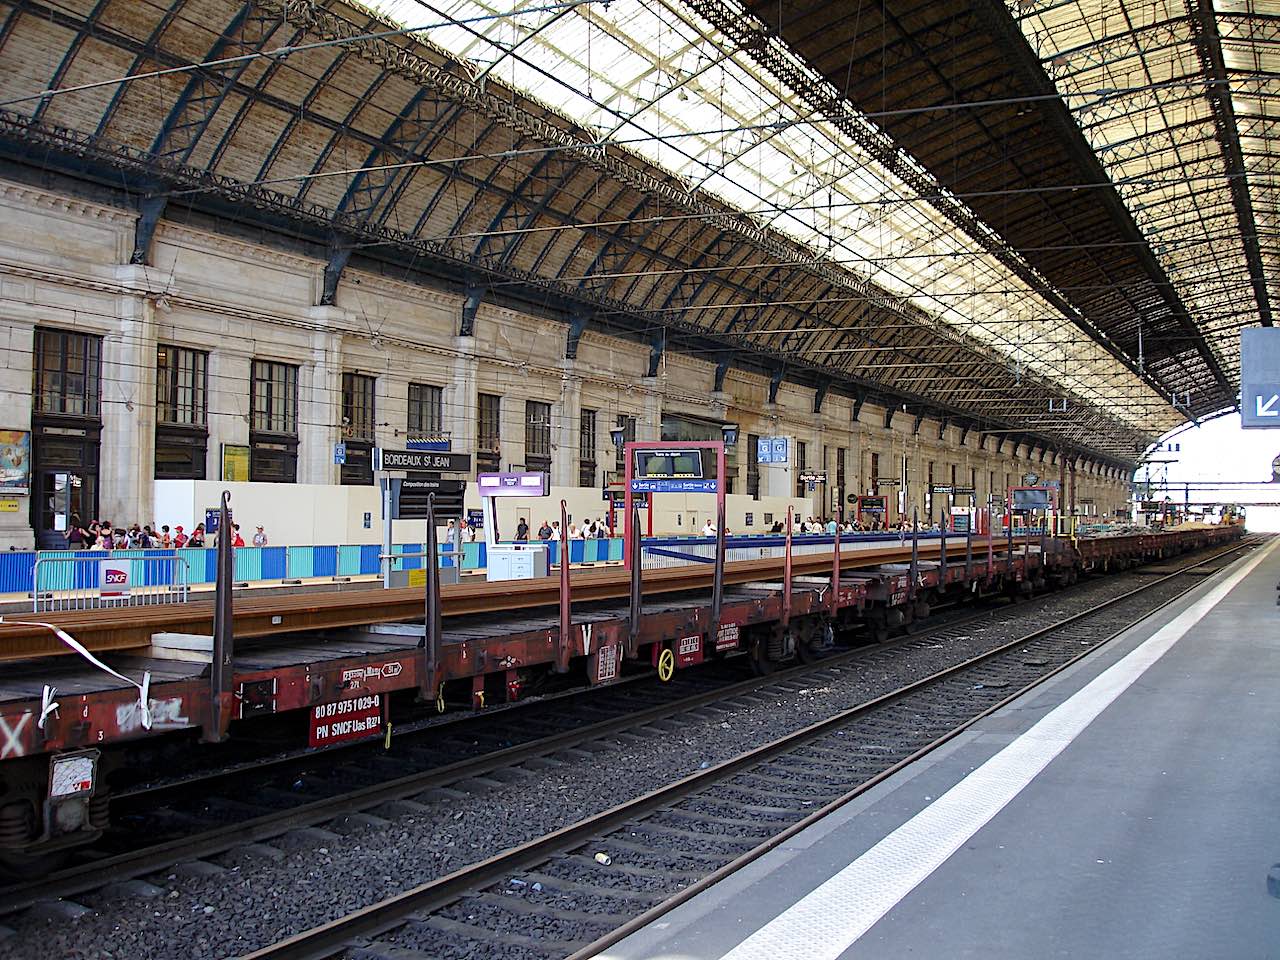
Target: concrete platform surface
{"points": [[1128, 808]]}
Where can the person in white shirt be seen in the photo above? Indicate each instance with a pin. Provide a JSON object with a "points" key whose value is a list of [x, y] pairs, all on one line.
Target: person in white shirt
{"points": [[555, 531], [708, 529], [260, 538]]}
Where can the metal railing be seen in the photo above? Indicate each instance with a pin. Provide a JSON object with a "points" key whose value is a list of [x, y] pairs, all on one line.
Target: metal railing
{"points": [[84, 583], [660, 552]]}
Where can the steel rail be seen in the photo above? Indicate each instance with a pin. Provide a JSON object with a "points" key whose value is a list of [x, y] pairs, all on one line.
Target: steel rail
{"points": [[122, 628], [331, 939], [76, 880], [666, 906]]}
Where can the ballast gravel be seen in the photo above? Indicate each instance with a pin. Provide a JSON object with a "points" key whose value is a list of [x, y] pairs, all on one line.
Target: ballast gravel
{"points": [[256, 901]]}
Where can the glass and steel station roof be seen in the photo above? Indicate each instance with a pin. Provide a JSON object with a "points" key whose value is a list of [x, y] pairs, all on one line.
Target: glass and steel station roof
{"points": [[1019, 215]]}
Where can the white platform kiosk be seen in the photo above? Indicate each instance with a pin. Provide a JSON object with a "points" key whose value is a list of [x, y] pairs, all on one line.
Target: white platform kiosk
{"points": [[507, 561]]}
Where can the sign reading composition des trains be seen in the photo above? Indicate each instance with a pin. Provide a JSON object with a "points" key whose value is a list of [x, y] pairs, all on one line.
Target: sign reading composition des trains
{"points": [[345, 720]]}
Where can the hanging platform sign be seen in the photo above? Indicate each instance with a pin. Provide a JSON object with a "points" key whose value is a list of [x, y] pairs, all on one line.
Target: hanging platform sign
{"points": [[513, 484], [674, 486], [421, 460], [435, 444]]}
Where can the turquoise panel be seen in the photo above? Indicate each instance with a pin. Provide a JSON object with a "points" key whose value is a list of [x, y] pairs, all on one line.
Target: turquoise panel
{"points": [[348, 561], [248, 563], [201, 565], [301, 562], [51, 574]]}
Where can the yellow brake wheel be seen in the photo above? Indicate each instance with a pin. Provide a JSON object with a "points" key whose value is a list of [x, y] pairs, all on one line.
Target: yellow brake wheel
{"points": [[666, 665]]}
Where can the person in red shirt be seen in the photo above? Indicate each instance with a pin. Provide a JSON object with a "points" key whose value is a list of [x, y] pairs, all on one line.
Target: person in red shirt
{"points": [[179, 538], [237, 540]]}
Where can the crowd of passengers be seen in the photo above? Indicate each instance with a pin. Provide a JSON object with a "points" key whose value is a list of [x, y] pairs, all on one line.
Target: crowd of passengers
{"points": [[101, 535]]}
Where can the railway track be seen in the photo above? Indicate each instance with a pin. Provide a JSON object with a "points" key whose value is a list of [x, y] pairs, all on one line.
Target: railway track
{"points": [[252, 801], [121, 628], [575, 891], [200, 817]]}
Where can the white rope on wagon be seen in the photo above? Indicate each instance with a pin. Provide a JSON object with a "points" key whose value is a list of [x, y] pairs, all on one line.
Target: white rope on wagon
{"points": [[48, 704]]}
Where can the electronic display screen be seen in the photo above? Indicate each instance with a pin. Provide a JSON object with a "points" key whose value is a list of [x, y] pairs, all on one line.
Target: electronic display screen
{"points": [[668, 464], [871, 504], [1031, 498]]}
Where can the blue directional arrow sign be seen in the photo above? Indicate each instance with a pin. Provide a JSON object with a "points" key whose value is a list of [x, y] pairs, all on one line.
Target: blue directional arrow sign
{"points": [[1260, 378], [1260, 405]]}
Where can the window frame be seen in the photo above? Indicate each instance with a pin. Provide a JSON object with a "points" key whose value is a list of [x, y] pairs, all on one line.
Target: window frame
{"points": [[628, 424], [488, 444], [537, 435], [359, 407], [429, 401], [273, 446], [263, 420], [588, 439], [178, 361], [89, 398], [753, 465]]}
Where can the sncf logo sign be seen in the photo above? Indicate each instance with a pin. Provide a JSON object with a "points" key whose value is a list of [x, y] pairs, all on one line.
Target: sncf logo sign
{"points": [[113, 579]]}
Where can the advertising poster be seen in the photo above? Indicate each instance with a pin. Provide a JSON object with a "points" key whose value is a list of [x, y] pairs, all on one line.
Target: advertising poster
{"points": [[15, 462], [235, 462]]}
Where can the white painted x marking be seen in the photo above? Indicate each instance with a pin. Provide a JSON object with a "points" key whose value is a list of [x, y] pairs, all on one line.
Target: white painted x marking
{"points": [[13, 736]]}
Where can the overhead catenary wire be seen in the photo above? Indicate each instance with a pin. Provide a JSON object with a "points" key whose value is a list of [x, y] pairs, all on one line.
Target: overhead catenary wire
{"points": [[935, 295]]}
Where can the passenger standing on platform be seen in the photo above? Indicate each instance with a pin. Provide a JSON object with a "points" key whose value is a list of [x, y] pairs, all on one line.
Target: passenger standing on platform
{"points": [[236, 539], [602, 532], [260, 538], [179, 538], [75, 534], [544, 531], [574, 532], [831, 528], [555, 531], [148, 536], [166, 541], [450, 533], [197, 536], [522, 529], [708, 529]]}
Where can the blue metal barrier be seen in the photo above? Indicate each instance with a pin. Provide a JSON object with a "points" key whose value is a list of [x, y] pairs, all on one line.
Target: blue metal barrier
{"points": [[265, 564]]}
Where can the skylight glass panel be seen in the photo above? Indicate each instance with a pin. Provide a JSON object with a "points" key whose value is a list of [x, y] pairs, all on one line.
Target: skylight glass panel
{"points": [[652, 79]]}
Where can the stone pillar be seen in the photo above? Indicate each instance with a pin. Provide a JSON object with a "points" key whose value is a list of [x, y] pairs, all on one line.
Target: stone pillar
{"points": [[320, 400], [461, 403], [649, 428], [16, 384], [127, 465], [565, 415], [230, 405]]}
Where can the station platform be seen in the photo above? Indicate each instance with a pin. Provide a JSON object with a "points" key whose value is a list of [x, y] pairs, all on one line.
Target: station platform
{"points": [[1125, 808]]}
